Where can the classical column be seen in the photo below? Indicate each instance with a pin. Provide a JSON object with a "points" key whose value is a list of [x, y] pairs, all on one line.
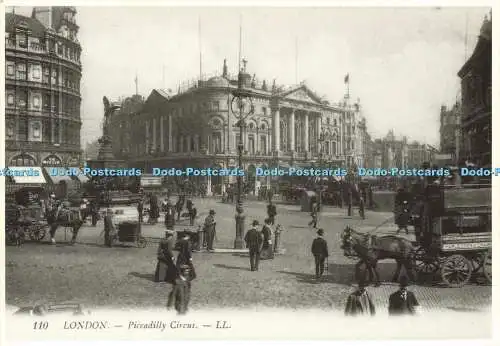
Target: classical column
{"points": [[147, 136], [318, 133], [154, 134], [162, 135], [188, 144], [306, 133], [291, 130], [276, 129], [209, 185], [170, 139]]}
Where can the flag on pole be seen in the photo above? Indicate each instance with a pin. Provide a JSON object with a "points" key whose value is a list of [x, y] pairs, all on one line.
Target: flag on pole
{"points": [[346, 78]]}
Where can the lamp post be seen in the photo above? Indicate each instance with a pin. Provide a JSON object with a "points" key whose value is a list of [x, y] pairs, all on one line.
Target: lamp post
{"points": [[241, 105]]}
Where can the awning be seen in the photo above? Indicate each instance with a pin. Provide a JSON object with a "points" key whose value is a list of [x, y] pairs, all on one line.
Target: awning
{"points": [[35, 175], [57, 174]]}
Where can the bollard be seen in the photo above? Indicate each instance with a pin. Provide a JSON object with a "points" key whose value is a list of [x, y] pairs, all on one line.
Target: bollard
{"points": [[201, 239], [278, 250]]}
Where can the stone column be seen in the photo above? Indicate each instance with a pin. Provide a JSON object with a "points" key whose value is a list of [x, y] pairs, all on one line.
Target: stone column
{"points": [[162, 135], [209, 186], [291, 130], [306, 133], [276, 129], [318, 133], [188, 144], [153, 129], [170, 139]]}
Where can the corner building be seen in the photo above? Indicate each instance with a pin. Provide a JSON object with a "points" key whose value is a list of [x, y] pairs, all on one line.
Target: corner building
{"points": [[197, 128], [42, 88]]}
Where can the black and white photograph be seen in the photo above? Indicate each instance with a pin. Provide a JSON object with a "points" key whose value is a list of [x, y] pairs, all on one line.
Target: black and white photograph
{"points": [[256, 172]]}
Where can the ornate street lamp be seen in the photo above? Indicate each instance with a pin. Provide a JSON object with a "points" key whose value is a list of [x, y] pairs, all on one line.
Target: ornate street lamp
{"points": [[242, 106]]}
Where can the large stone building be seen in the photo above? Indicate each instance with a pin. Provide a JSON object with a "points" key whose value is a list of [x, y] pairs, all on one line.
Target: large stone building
{"points": [[476, 121], [391, 151], [197, 127], [42, 88], [449, 131]]}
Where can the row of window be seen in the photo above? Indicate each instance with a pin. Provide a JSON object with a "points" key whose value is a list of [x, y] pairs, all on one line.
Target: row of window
{"points": [[43, 74], [25, 100], [70, 52], [45, 130]]}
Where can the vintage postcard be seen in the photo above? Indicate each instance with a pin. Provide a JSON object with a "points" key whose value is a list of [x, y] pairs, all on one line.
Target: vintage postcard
{"points": [[188, 172]]}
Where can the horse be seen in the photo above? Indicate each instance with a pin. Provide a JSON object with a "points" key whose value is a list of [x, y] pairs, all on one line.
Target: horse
{"points": [[65, 218], [370, 249]]}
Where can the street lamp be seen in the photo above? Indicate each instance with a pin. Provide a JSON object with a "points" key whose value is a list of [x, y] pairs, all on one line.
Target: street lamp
{"points": [[243, 106]]}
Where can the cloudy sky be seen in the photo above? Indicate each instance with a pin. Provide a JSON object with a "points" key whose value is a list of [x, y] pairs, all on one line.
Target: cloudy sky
{"points": [[403, 63]]}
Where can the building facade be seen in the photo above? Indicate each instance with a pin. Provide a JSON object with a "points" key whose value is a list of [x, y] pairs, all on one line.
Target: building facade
{"points": [[392, 151], [198, 127], [476, 121], [450, 131], [42, 88]]}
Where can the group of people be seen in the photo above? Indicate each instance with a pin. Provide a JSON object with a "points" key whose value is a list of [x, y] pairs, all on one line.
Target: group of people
{"points": [[259, 243], [401, 302]]}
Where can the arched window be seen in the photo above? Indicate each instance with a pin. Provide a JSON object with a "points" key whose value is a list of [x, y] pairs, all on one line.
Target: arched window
{"points": [[23, 160]]}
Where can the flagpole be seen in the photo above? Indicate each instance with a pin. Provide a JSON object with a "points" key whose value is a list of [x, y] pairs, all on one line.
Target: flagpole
{"points": [[199, 45], [296, 59]]}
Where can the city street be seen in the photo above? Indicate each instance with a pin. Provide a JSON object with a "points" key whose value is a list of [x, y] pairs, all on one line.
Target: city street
{"points": [[122, 276]]}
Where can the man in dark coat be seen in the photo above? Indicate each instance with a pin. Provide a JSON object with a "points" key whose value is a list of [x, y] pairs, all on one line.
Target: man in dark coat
{"points": [[254, 241], [359, 302], [109, 228], [185, 254], [271, 212], [349, 200], [319, 250], [166, 270], [154, 209], [179, 206], [209, 228], [181, 291], [140, 209], [402, 210], [170, 216], [403, 302]]}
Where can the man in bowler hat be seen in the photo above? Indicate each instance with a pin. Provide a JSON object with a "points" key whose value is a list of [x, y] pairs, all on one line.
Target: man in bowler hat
{"points": [[319, 250], [403, 302], [359, 302], [254, 242], [209, 229]]}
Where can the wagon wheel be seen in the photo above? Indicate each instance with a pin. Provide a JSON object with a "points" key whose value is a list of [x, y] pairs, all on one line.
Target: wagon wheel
{"points": [[142, 242], [456, 270], [38, 232], [487, 266], [425, 265]]}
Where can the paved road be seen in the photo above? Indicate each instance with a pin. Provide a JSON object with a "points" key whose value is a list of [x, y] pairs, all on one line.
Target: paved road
{"points": [[122, 276]]}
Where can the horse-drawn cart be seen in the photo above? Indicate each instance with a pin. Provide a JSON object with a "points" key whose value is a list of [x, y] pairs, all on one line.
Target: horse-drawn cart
{"points": [[454, 235]]}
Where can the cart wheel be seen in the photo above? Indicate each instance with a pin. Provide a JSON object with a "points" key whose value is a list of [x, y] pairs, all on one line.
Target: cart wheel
{"points": [[487, 266], [426, 265], [456, 271], [142, 242], [38, 232]]}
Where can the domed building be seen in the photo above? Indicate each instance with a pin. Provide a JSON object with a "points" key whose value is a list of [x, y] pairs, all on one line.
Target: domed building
{"points": [[198, 127], [42, 88]]}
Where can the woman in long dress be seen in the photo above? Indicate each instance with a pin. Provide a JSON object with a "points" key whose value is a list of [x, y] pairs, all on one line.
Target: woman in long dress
{"points": [[267, 246]]}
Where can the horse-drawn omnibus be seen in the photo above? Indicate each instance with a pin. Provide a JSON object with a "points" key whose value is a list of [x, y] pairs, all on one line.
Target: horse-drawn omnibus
{"points": [[453, 230]]}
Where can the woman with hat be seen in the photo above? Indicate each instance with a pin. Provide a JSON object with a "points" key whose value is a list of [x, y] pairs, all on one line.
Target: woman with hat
{"points": [[267, 246], [209, 229]]}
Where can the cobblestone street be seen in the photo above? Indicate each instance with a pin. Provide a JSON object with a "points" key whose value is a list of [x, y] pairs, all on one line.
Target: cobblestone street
{"points": [[123, 276]]}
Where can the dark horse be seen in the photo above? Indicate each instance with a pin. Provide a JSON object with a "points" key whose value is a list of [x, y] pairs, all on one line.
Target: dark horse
{"points": [[370, 249], [66, 218]]}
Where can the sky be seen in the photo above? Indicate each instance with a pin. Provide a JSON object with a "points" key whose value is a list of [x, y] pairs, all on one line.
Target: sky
{"points": [[402, 62]]}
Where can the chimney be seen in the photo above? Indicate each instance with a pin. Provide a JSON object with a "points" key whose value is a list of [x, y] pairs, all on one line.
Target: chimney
{"points": [[43, 14]]}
